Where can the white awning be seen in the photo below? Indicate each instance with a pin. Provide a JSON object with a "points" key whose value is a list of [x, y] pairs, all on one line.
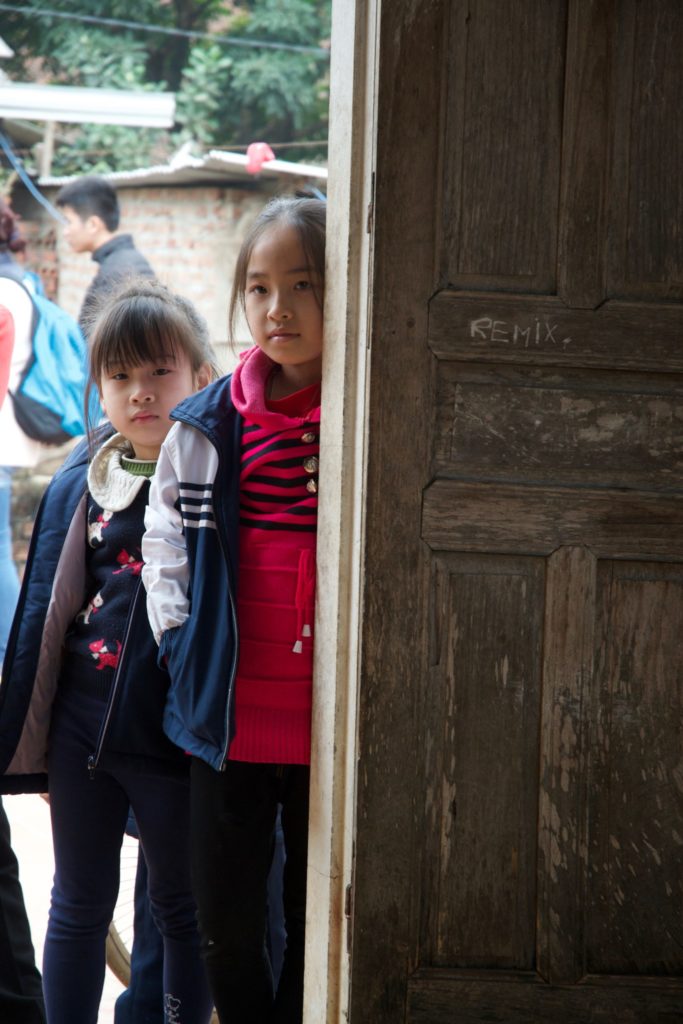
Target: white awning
{"points": [[64, 103]]}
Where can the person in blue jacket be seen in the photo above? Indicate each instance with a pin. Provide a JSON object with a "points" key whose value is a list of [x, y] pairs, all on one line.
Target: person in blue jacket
{"points": [[21, 990], [82, 695]]}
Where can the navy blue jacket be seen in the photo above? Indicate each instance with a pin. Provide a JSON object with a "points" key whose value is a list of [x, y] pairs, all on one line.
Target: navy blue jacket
{"points": [[198, 473], [51, 594]]}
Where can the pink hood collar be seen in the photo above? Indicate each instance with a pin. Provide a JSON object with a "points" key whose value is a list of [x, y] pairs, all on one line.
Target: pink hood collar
{"points": [[248, 392]]}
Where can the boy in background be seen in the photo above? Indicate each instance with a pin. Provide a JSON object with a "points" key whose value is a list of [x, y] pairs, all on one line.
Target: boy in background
{"points": [[91, 208]]}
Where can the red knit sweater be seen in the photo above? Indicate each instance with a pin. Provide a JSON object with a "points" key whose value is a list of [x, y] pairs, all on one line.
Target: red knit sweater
{"points": [[276, 586]]}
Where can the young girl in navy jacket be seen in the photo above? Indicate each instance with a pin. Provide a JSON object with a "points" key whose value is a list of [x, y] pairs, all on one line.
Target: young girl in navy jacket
{"points": [[82, 695], [230, 575]]}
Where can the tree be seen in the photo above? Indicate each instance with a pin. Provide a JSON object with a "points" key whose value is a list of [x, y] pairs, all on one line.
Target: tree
{"points": [[50, 37], [274, 95], [227, 95]]}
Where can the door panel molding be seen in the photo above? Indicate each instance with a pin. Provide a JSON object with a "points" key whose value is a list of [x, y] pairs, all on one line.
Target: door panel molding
{"points": [[526, 999], [530, 425], [466, 516], [502, 146], [544, 332], [568, 653]]}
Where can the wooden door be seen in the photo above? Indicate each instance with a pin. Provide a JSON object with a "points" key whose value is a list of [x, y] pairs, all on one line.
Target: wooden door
{"points": [[519, 848]]}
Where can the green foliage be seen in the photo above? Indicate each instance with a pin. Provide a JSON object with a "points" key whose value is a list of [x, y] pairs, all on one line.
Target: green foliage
{"points": [[100, 148], [53, 40], [258, 93], [96, 60], [225, 95], [287, 21], [200, 99]]}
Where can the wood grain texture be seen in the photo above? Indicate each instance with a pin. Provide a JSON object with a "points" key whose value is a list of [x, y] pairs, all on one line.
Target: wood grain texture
{"points": [[635, 844], [393, 646], [522, 999], [646, 188], [486, 702], [582, 250], [533, 425], [567, 674], [503, 132]]}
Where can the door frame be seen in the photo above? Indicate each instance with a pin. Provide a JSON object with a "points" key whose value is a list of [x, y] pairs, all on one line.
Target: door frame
{"points": [[348, 297]]}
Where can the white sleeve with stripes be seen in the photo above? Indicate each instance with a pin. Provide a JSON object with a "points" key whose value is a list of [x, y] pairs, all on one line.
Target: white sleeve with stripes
{"points": [[165, 572]]}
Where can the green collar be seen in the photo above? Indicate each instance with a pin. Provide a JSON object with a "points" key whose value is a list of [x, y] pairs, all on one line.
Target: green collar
{"points": [[138, 467]]}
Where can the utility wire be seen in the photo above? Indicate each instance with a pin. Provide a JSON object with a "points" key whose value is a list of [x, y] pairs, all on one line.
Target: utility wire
{"points": [[19, 168], [316, 51]]}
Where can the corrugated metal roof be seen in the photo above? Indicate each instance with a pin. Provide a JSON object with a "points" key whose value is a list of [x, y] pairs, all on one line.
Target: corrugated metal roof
{"points": [[215, 166]]}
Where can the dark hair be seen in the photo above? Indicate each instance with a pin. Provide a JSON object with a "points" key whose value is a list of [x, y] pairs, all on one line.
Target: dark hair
{"points": [[10, 236], [140, 323], [91, 195], [307, 216]]}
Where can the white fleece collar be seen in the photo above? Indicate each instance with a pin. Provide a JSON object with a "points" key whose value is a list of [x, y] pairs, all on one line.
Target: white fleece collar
{"points": [[112, 486]]}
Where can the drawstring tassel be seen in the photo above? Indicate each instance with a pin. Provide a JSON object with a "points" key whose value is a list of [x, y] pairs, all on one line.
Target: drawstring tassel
{"points": [[305, 591], [298, 646]]}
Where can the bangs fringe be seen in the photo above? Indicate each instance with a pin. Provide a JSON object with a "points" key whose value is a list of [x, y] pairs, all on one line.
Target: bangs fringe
{"points": [[133, 340], [140, 347]]}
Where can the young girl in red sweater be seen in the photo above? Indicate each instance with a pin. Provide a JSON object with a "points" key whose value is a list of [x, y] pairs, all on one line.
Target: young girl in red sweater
{"points": [[230, 574]]}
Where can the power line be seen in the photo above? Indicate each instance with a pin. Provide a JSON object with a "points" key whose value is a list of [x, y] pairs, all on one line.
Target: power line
{"points": [[316, 51], [19, 168], [303, 144]]}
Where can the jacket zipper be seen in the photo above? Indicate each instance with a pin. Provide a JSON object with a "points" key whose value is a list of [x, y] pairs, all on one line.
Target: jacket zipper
{"points": [[94, 758], [233, 613], [231, 684]]}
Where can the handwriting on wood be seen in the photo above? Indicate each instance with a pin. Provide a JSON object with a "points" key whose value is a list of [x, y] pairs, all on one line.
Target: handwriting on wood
{"points": [[534, 332]]}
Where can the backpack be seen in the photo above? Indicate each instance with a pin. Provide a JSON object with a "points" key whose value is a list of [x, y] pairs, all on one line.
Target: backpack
{"points": [[48, 401]]}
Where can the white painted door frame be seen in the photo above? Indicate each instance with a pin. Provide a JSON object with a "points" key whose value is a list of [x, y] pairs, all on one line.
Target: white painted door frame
{"points": [[348, 296]]}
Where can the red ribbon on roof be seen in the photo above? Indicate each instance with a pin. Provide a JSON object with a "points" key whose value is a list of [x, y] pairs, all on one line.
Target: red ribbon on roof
{"points": [[258, 154]]}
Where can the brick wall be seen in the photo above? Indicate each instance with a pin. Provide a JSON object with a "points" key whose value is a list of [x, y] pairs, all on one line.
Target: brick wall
{"points": [[41, 254], [191, 236]]}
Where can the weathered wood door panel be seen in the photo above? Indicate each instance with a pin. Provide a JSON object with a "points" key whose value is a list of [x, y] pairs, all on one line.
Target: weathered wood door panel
{"points": [[519, 851]]}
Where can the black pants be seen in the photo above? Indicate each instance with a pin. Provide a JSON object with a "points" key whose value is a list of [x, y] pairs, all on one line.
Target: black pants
{"points": [[233, 816], [21, 993], [143, 1001], [88, 822]]}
